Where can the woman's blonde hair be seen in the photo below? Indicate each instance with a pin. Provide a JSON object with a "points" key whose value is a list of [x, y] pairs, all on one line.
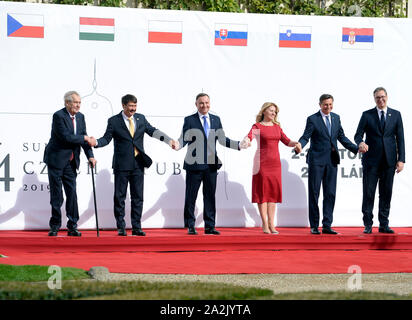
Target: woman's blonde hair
{"points": [[266, 105]]}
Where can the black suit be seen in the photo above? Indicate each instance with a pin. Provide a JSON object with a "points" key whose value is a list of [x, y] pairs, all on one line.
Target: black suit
{"points": [[61, 171], [322, 159], [127, 168], [201, 165], [386, 148]]}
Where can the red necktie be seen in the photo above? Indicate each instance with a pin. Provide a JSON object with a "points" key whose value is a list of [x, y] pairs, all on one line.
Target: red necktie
{"points": [[72, 156]]}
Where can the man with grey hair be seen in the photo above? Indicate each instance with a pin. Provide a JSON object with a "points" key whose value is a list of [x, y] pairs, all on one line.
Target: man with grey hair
{"points": [[384, 149], [62, 156]]}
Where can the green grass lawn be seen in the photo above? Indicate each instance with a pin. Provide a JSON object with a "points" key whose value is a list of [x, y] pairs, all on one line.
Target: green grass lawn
{"points": [[31, 283]]}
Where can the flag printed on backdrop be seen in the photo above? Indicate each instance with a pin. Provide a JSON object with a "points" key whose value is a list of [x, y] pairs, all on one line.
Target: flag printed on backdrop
{"points": [[25, 25], [295, 37], [96, 29], [357, 38], [165, 32], [230, 34]]}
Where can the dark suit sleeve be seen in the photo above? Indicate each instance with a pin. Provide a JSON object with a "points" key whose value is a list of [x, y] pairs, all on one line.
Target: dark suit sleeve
{"points": [[86, 148], [307, 134], [400, 142], [345, 141], [155, 133], [360, 131], [182, 141], [223, 140], [107, 137]]}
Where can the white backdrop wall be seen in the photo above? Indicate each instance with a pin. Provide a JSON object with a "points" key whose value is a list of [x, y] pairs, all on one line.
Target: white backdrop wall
{"points": [[36, 72]]}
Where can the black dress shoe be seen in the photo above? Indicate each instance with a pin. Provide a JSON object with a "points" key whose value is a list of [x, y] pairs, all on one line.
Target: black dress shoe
{"points": [[212, 231], [368, 230], [314, 231], [191, 230], [138, 232], [53, 233], [328, 231], [121, 232], [386, 230], [74, 233]]}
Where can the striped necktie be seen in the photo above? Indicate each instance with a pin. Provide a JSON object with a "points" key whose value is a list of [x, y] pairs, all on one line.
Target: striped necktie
{"points": [[328, 125]]}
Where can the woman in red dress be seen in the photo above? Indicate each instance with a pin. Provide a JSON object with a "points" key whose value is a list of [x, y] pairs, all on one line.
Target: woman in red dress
{"points": [[267, 172]]}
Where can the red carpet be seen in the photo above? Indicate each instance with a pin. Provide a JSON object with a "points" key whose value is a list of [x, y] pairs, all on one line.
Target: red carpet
{"points": [[236, 250]]}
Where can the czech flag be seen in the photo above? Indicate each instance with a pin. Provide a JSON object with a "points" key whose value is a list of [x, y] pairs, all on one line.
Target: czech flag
{"points": [[25, 25], [231, 34], [357, 38]]}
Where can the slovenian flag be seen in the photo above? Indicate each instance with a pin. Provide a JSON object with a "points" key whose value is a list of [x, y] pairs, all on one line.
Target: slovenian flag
{"points": [[357, 38], [25, 25], [295, 37], [231, 34], [98, 29], [165, 32]]}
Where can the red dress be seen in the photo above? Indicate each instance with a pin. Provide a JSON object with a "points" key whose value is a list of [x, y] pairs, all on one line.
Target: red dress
{"points": [[267, 171]]}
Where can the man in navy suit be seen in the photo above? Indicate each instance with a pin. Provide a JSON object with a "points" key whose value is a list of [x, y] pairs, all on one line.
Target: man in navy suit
{"points": [[62, 156], [127, 129], [200, 132], [323, 129], [385, 153]]}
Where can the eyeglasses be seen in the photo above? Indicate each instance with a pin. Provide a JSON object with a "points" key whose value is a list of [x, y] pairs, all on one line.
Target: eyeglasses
{"points": [[380, 97]]}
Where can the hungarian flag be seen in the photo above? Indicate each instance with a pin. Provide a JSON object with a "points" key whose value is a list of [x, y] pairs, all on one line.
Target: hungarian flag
{"points": [[97, 29]]}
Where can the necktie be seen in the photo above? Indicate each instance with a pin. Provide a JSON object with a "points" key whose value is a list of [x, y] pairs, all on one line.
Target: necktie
{"points": [[382, 119], [328, 124], [131, 130], [72, 155], [206, 126]]}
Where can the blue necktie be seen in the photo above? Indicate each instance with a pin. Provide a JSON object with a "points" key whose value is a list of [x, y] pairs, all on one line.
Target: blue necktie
{"points": [[382, 119], [328, 124], [206, 126]]}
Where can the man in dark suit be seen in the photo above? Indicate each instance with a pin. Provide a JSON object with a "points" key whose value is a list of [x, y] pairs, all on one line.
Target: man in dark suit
{"points": [[62, 156], [200, 132], [324, 130], [127, 129], [385, 153]]}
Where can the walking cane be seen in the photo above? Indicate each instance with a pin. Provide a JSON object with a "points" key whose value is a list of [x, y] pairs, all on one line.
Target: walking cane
{"points": [[94, 197]]}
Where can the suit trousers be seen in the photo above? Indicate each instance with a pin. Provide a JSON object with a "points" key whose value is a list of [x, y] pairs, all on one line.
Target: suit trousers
{"points": [[193, 180], [325, 175], [66, 178], [371, 176], [135, 179]]}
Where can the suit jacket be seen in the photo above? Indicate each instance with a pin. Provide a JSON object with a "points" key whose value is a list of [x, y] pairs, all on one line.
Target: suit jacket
{"points": [[201, 151], [63, 142], [323, 148], [124, 144], [389, 141]]}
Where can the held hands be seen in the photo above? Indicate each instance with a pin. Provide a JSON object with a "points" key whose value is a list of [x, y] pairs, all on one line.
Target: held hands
{"points": [[90, 140], [298, 148], [363, 147], [174, 144], [245, 143]]}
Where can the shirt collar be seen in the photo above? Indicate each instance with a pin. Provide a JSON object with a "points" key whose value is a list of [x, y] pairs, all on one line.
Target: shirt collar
{"points": [[385, 110], [201, 115], [125, 117], [324, 115]]}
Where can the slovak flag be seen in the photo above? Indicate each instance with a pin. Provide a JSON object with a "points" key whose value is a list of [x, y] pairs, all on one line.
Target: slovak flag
{"points": [[25, 25], [230, 34]]}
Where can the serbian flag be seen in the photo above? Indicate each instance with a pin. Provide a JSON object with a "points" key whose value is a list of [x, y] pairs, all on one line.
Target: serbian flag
{"points": [[25, 25], [357, 38], [231, 34], [165, 32], [295, 37], [97, 29]]}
